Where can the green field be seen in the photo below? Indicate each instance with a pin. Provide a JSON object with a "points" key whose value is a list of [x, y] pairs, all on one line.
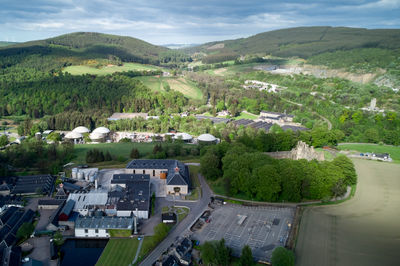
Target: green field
{"points": [[80, 70], [121, 150], [394, 151], [185, 86], [244, 115], [119, 252], [361, 231]]}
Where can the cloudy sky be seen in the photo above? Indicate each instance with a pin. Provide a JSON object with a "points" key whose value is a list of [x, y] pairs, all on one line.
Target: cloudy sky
{"points": [[186, 21]]}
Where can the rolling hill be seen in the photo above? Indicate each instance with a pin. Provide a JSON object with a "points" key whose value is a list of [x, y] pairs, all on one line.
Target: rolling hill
{"points": [[77, 48], [304, 42]]}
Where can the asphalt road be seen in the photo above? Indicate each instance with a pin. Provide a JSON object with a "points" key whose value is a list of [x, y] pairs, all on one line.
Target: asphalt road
{"points": [[196, 209]]}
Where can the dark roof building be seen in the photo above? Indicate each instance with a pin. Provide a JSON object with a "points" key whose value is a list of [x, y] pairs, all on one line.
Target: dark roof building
{"points": [[6, 215], [131, 195], [169, 217], [34, 184]]}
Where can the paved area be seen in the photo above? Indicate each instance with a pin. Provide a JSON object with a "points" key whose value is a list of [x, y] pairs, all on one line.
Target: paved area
{"points": [[41, 250], [44, 219], [261, 228], [362, 231]]}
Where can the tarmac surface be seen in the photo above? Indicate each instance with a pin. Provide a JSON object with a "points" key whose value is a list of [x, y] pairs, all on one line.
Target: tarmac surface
{"points": [[261, 228]]}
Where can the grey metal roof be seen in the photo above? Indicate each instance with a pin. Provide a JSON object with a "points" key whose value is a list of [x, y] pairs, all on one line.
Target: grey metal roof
{"points": [[30, 184], [176, 179], [105, 222], [69, 206], [93, 197]]}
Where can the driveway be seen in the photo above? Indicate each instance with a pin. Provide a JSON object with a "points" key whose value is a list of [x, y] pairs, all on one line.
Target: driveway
{"points": [[196, 209]]}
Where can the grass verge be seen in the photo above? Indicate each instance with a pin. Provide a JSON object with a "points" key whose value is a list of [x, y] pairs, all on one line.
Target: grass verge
{"points": [[118, 252]]}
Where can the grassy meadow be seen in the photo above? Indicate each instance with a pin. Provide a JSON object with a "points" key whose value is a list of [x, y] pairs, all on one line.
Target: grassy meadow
{"points": [[185, 86], [84, 69], [394, 151]]}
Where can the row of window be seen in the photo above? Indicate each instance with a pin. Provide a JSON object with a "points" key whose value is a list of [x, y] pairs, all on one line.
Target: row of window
{"points": [[144, 172], [95, 230]]}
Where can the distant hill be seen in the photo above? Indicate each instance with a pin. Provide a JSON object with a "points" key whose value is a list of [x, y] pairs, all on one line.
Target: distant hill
{"points": [[2, 43], [304, 42], [74, 48]]}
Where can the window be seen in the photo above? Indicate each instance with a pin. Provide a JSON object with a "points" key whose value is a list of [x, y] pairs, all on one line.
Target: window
{"points": [[86, 231], [134, 171], [143, 172], [96, 231], [154, 172]]}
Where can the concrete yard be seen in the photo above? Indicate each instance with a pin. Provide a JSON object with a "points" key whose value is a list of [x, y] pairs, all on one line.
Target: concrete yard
{"points": [[263, 229], [361, 231]]}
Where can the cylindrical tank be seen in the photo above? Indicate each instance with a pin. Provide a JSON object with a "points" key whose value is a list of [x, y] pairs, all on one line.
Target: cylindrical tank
{"points": [[80, 175], [163, 175], [74, 173]]}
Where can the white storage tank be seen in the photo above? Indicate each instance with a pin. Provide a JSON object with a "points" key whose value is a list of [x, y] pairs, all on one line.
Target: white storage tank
{"points": [[74, 173], [80, 175]]}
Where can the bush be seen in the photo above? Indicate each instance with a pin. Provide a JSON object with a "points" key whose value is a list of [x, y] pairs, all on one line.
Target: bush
{"points": [[282, 257], [25, 230], [135, 153]]}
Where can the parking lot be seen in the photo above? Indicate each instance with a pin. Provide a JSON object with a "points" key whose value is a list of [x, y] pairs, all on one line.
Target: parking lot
{"points": [[261, 228]]}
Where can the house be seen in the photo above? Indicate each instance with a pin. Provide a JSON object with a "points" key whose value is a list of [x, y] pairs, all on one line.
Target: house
{"points": [[131, 195], [169, 176], [169, 218], [171, 261], [66, 210], [100, 226]]}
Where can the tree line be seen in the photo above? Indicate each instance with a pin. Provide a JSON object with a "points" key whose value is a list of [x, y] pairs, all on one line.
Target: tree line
{"points": [[244, 171]]}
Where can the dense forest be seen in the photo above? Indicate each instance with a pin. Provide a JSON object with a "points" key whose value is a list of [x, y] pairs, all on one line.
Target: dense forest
{"points": [[60, 92]]}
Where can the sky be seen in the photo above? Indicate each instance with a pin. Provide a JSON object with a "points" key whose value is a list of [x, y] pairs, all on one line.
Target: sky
{"points": [[186, 21]]}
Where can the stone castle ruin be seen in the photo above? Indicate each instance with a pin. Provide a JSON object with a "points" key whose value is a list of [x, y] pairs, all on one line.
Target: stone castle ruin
{"points": [[301, 151]]}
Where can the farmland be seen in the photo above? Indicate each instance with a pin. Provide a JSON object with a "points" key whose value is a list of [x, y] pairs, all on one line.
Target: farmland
{"points": [[84, 69], [360, 231]]}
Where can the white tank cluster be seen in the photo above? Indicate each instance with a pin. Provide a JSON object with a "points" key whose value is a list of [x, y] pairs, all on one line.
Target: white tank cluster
{"points": [[87, 174], [81, 130]]}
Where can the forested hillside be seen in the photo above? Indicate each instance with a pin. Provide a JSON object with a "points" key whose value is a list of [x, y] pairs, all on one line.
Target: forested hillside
{"points": [[76, 48], [305, 42]]}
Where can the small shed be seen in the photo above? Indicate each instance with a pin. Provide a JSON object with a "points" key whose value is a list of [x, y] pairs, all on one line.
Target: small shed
{"points": [[169, 217]]}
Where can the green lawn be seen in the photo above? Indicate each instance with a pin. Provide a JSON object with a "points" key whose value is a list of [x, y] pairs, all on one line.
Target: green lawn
{"points": [[121, 150], [83, 69], [120, 233], [394, 151], [119, 252], [185, 86], [244, 115]]}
